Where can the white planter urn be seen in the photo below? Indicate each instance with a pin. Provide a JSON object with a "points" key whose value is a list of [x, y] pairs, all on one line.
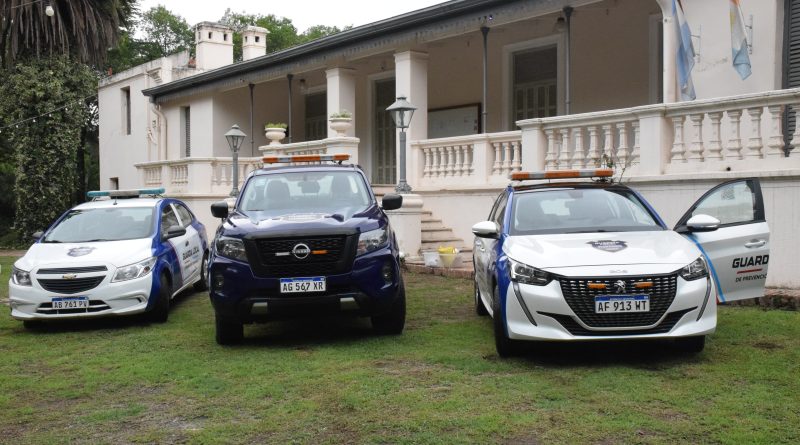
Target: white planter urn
{"points": [[275, 135], [340, 125]]}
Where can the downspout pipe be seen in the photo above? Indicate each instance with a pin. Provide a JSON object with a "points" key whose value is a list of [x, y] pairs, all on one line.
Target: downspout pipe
{"points": [[567, 90], [484, 112], [252, 130], [289, 123], [162, 131]]}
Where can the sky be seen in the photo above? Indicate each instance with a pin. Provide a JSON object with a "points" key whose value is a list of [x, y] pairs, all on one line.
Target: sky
{"points": [[303, 13]]}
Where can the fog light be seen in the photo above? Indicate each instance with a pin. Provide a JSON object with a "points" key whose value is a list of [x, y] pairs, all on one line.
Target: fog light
{"points": [[387, 272], [219, 281]]}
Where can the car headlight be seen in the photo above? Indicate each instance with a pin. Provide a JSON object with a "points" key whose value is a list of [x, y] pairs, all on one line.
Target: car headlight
{"points": [[135, 270], [20, 277], [372, 240], [522, 273], [232, 248], [696, 269]]}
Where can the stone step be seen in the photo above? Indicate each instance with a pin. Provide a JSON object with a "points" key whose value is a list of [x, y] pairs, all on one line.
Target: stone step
{"points": [[436, 232]]}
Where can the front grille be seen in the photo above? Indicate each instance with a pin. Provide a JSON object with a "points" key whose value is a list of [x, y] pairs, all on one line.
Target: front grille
{"points": [[581, 299], [574, 328], [94, 306], [73, 286], [275, 257], [64, 270]]}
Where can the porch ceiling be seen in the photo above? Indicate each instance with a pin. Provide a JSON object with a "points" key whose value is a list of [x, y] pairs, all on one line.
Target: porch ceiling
{"points": [[422, 26]]}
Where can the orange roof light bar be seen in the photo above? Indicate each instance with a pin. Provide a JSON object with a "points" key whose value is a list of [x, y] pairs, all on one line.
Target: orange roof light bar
{"points": [[305, 158], [563, 174]]}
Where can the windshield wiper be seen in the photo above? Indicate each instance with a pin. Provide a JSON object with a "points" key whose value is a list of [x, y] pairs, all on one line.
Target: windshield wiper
{"points": [[54, 241], [589, 231]]}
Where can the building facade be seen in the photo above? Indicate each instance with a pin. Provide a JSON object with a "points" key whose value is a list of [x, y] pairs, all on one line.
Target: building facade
{"points": [[499, 86]]}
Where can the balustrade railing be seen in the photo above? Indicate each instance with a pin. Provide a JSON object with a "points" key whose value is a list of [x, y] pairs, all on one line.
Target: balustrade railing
{"points": [[740, 133], [465, 160]]}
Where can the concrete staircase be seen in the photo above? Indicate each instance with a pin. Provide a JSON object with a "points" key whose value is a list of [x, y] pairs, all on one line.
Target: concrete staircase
{"points": [[434, 233]]}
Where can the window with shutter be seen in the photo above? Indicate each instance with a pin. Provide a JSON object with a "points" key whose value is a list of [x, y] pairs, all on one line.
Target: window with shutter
{"points": [[791, 61]]}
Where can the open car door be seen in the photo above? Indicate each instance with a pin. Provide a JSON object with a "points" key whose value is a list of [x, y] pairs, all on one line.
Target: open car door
{"points": [[735, 241]]}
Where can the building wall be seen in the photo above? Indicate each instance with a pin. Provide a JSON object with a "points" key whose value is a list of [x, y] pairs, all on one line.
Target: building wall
{"points": [[713, 74], [120, 151]]}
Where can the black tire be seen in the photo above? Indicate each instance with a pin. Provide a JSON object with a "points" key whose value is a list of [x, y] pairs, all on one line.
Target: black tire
{"points": [[32, 325], [160, 312], [202, 285], [504, 345], [393, 321], [480, 309], [692, 345], [229, 332]]}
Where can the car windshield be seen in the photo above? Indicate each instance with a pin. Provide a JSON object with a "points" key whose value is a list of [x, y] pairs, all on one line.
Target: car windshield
{"points": [[579, 210], [338, 194], [106, 224]]}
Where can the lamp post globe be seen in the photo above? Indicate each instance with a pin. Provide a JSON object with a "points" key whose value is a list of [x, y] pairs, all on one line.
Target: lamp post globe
{"points": [[402, 111], [235, 137]]}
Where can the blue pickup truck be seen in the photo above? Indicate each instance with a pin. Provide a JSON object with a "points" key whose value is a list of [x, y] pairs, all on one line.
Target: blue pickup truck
{"points": [[305, 239]]}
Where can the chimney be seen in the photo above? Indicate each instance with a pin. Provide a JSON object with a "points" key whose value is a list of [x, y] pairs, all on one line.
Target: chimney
{"points": [[254, 42], [214, 45]]}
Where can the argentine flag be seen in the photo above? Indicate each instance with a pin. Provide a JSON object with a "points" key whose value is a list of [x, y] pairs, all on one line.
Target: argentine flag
{"points": [[685, 52], [741, 60]]}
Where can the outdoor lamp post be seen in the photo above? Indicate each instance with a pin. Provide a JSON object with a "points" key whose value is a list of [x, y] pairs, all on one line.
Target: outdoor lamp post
{"points": [[401, 112], [235, 137]]}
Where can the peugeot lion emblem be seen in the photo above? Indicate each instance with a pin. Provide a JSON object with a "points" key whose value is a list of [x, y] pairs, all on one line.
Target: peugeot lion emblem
{"points": [[301, 251], [619, 286]]}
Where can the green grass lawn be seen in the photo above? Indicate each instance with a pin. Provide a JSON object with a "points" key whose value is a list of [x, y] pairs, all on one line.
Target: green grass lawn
{"points": [[332, 381]]}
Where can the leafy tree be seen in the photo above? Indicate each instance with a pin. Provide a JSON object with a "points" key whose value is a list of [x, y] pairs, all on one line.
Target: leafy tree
{"points": [[168, 31], [49, 102], [320, 31], [84, 29], [131, 52], [282, 33]]}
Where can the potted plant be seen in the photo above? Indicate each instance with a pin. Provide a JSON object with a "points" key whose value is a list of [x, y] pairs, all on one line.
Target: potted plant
{"points": [[341, 122], [275, 132]]}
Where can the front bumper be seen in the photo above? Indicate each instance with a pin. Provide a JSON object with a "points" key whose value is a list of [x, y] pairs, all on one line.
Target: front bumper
{"points": [[542, 313], [247, 298], [107, 299]]}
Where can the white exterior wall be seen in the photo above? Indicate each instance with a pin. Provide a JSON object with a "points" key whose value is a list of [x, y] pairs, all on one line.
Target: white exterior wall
{"points": [[713, 74], [120, 151]]}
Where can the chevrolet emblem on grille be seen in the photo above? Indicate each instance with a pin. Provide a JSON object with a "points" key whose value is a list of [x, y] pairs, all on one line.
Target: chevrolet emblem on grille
{"points": [[69, 276], [619, 286]]}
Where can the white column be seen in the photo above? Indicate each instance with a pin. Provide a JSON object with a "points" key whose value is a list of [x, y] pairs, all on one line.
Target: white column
{"points": [[655, 142], [411, 81], [670, 39], [534, 147], [341, 95]]}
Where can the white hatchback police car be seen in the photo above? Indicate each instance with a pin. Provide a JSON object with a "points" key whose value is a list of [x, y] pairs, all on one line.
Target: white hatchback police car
{"points": [[126, 252], [593, 260]]}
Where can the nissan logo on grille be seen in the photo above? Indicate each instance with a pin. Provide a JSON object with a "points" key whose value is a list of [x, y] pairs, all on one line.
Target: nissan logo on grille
{"points": [[619, 286], [301, 251]]}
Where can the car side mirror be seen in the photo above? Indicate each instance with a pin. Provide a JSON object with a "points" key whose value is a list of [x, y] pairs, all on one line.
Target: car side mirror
{"points": [[174, 232], [220, 209], [486, 229], [702, 223], [37, 235], [392, 201]]}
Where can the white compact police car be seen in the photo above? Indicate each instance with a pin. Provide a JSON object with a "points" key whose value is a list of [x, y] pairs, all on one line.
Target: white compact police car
{"points": [[125, 252], [593, 260]]}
